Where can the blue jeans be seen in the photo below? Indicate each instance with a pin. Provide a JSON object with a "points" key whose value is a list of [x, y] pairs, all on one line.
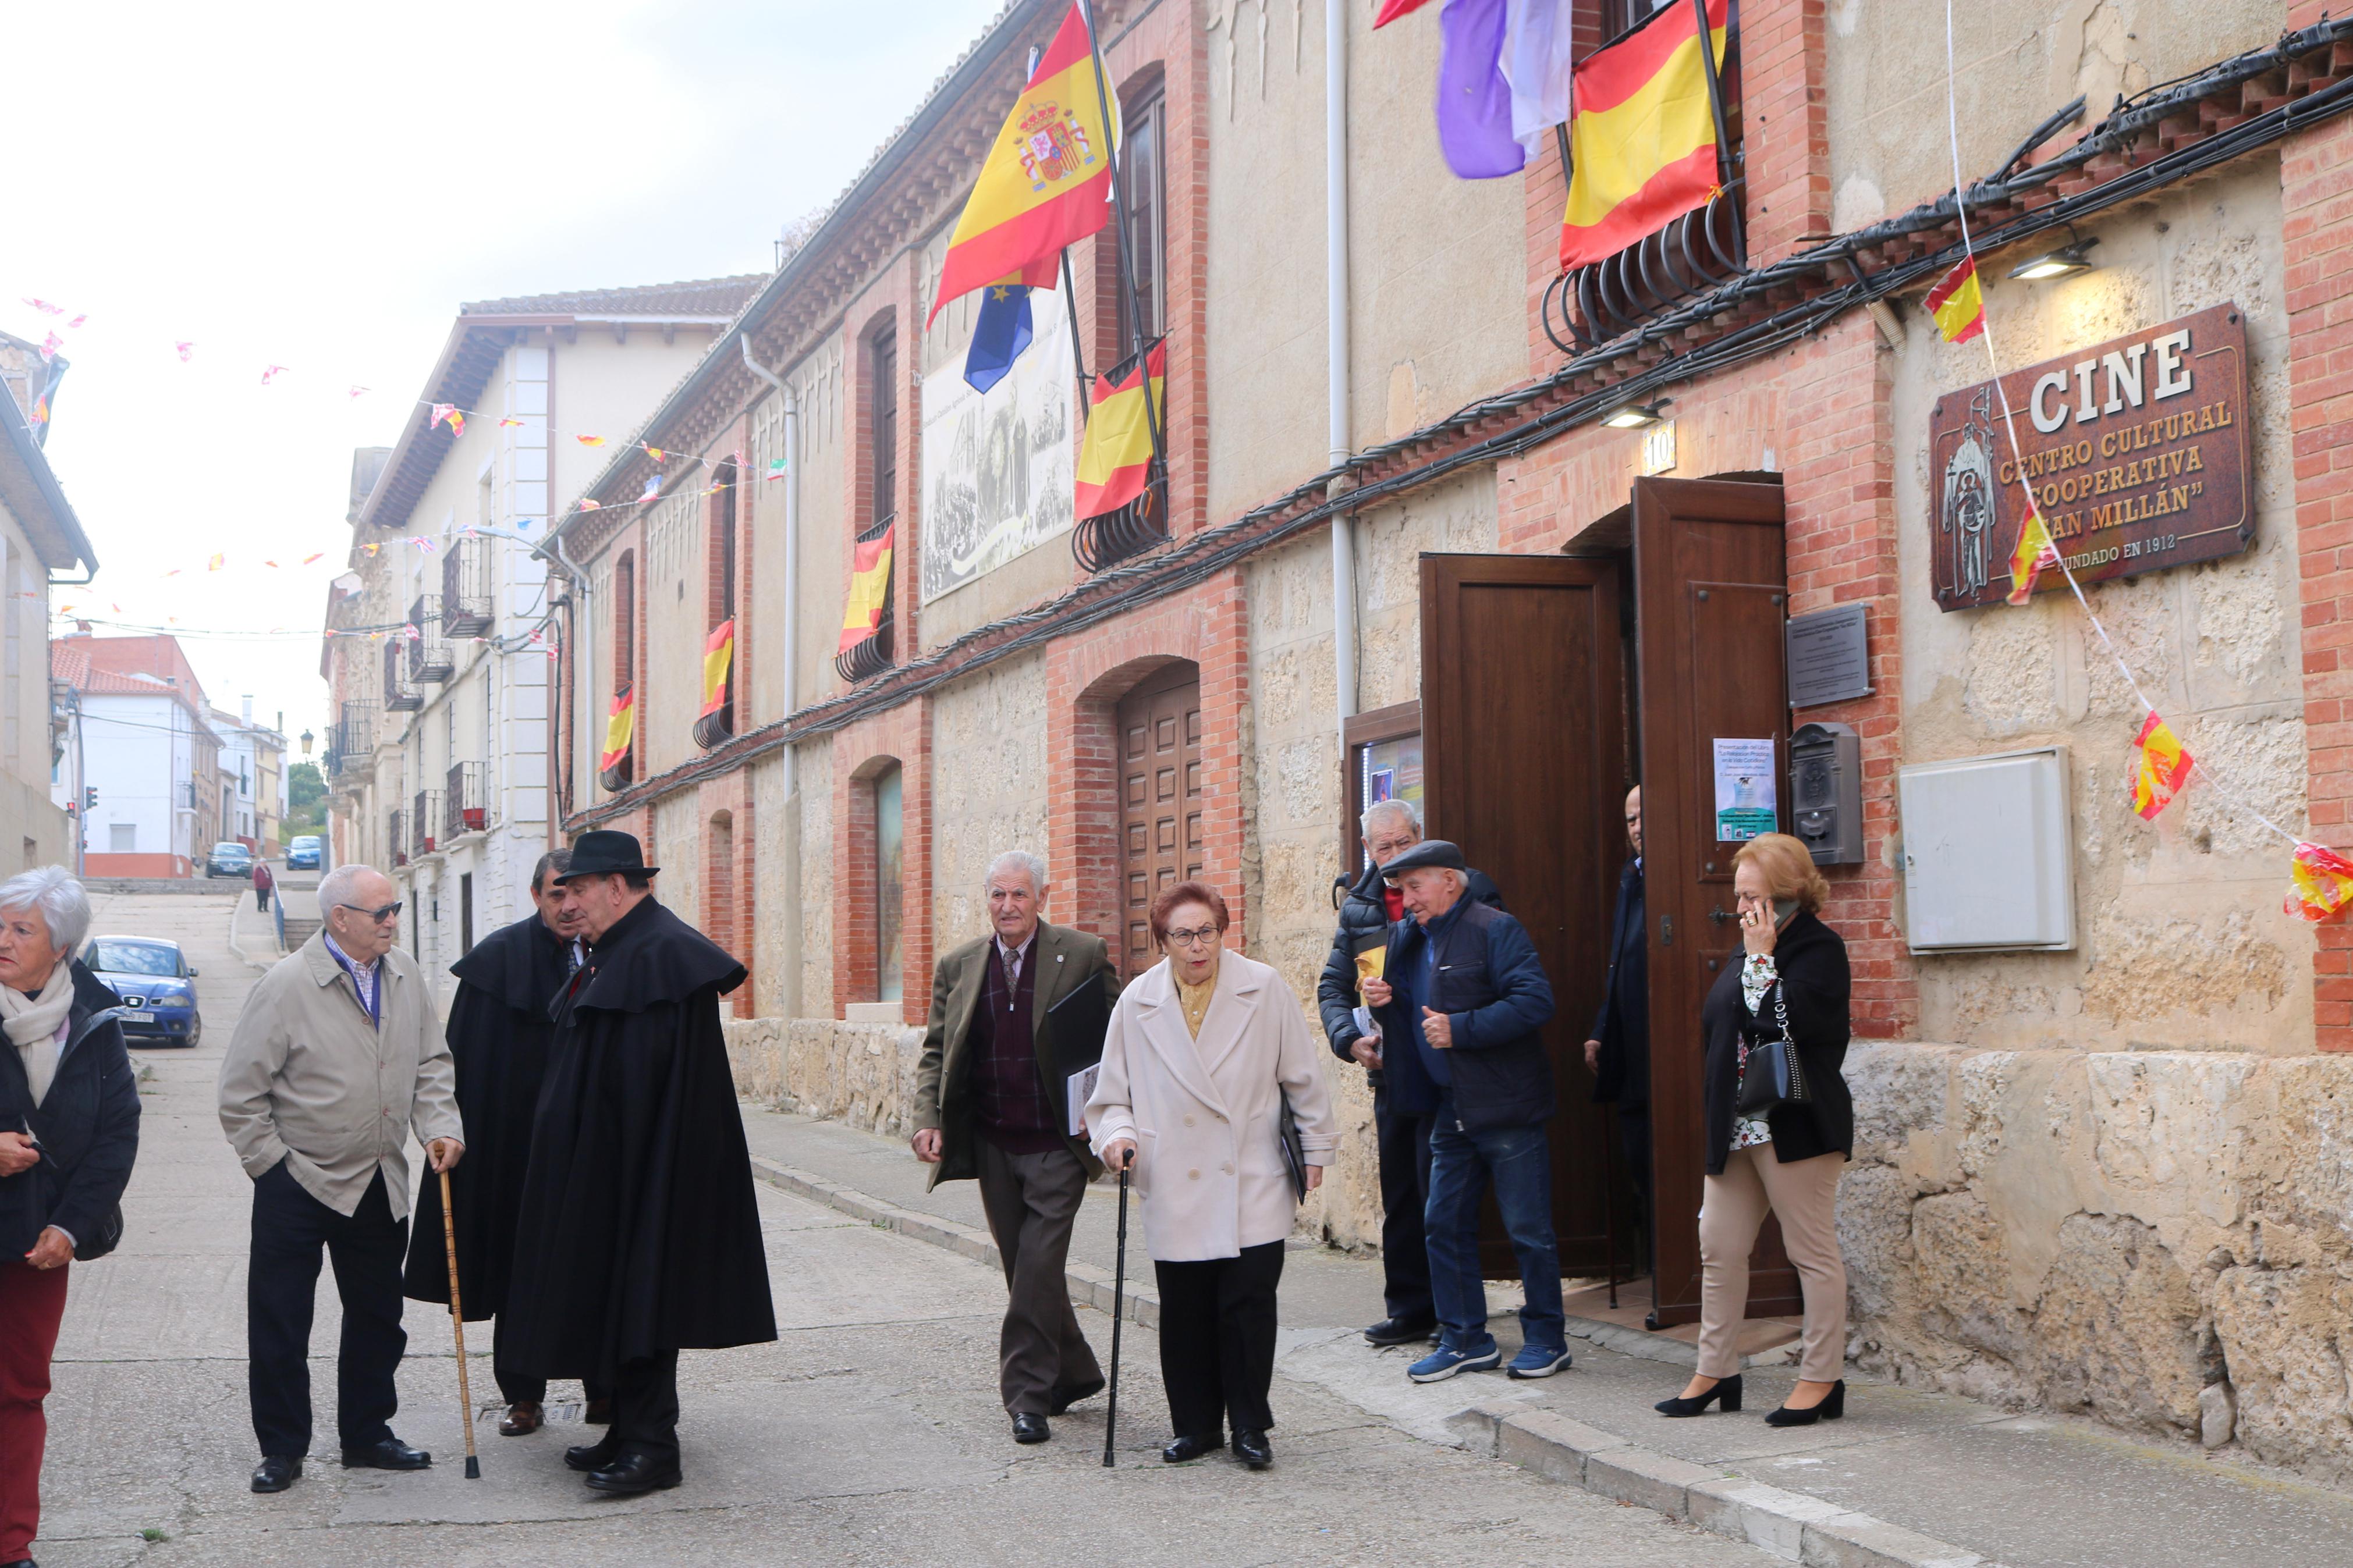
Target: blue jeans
{"points": [[1518, 1161]]}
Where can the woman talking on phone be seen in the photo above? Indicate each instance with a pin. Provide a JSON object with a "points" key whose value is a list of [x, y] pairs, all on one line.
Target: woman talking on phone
{"points": [[1780, 1126]]}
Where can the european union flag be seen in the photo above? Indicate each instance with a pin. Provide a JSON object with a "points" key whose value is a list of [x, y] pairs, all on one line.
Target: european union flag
{"points": [[999, 335]]}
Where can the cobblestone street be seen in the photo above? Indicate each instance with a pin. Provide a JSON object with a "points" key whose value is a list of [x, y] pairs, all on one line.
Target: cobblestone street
{"points": [[868, 1434]]}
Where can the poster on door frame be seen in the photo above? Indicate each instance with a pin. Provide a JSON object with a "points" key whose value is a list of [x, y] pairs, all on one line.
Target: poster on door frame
{"points": [[1747, 804]]}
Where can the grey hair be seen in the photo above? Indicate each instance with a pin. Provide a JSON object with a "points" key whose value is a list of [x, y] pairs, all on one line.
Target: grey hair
{"points": [[555, 863], [1395, 806], [1016, 860], [52, 892], [336, 887]]}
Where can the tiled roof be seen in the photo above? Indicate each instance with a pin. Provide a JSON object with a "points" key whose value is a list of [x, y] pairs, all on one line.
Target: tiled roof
{"points": [[706, 296]]}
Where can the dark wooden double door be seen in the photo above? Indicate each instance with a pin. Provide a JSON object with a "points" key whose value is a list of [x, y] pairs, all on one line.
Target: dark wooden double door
{"points": [[1159, 729], [1550, 686]]}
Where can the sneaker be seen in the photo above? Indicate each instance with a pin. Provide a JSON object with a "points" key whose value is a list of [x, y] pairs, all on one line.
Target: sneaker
{"points": [[1537, 1360], [1446, 1360]]}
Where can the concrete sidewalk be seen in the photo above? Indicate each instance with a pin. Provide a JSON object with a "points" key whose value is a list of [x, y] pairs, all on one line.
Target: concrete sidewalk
{"points": [[1908, 1476]]}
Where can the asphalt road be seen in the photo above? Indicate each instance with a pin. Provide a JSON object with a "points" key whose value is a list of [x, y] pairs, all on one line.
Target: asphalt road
{"points": [[869, 1433]]}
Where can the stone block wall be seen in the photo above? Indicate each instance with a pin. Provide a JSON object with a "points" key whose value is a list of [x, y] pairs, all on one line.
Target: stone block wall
{"points": [[2156, 1238], [859, 1074]]}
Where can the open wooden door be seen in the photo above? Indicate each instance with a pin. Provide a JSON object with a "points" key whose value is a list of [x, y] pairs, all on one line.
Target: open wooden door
{"points": [[1710, 594], [1526, 760]]}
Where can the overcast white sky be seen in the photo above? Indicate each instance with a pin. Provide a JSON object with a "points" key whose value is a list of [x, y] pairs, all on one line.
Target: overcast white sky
{"points": [[320, 187]]}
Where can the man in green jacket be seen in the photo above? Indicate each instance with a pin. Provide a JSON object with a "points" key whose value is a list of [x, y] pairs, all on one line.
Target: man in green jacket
{"points": [[992, 1103]]}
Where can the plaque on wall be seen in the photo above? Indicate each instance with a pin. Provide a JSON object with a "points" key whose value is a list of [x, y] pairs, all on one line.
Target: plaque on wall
{"points": [[2137, 450], [1829, 657]]}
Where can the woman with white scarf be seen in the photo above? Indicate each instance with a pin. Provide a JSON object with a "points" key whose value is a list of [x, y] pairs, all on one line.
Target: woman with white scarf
{"points": [[68, 1132]]}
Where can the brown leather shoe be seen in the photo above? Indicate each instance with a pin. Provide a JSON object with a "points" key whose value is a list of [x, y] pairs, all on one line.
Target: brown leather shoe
{"points": [[523, 1417]]}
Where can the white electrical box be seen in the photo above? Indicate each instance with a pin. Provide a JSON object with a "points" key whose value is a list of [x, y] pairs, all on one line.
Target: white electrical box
{"points": [[1989, 853]]}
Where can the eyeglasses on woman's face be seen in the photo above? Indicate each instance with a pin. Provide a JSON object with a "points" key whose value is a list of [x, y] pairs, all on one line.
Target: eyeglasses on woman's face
{"points": [[1207, 936]]}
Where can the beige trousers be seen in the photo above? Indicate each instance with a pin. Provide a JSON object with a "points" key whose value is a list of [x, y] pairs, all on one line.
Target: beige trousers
{"points": [[1803, 1194]]}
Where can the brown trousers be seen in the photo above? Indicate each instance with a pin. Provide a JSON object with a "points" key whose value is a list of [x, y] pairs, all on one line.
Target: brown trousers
{"points": [[1802, 1194], [1031, 1200]]}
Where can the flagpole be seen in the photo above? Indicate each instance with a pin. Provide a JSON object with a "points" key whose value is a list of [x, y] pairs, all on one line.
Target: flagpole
{"points": [[1119, 208], [1716, 91], [1077, 349]]}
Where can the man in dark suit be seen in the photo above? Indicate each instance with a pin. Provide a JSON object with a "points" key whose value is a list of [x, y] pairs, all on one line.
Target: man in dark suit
{"points": [[1618, 1051], [992, 1104]]}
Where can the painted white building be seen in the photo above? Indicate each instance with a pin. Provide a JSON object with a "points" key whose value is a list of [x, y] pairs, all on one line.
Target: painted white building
{"points": [[253, 764], [438, 764], [141, 745]]}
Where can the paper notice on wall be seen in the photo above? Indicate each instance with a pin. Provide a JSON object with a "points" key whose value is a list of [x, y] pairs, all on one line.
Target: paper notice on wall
{"points": [[1746, 802], [1081, 1087]]}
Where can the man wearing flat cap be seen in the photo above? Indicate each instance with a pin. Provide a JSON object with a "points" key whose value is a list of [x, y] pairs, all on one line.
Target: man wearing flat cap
{"points": [[638, 1235], [1461, 1001]]}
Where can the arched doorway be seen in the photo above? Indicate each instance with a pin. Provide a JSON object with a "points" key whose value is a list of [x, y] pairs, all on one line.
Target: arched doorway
{"points": [[1157, 726]]}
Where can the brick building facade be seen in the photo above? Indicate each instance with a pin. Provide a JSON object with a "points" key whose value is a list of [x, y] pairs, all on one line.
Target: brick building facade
{"points": [[2076, 1156]]}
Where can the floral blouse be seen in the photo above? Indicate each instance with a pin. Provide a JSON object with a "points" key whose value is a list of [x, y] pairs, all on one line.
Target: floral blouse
{"points": [[1756, 979]]}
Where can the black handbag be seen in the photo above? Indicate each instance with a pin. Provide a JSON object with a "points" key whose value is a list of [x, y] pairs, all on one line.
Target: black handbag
{"points": [[1294, 1151], [1773, 1076]]}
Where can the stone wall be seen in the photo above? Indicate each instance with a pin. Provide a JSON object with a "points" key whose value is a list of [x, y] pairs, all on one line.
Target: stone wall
{"points": [[989, 792], [859, 1074], [2157, 1238]]}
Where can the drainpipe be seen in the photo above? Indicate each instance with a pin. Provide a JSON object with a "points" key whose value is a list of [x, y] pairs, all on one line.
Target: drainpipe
{"points": [[790, 991], [1336, 309]]}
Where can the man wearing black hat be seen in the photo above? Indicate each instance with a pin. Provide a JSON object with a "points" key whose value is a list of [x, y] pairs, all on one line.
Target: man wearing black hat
{"points": [[1462, 998], [640, 1236], [499, 1038]]}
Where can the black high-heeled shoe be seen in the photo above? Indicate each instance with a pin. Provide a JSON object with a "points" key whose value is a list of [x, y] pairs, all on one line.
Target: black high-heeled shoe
{"points": [[1832, 1406], [1724, 1394]]}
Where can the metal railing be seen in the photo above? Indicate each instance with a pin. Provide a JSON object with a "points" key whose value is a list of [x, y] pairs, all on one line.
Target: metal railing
{"points": [[468, 601], [872, 655], [428, 656], [617, 776], [466, 801], [425, 822], [353, 738], [1115, 536], [399, 696], [395, 835], [1693, 254]]}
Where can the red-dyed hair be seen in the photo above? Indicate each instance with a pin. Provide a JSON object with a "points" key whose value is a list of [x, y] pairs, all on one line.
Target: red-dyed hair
{"points": [[1186, 893]]}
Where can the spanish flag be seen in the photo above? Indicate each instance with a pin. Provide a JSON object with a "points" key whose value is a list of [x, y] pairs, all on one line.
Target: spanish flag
{"points": [[717, 653], [870, 590], [1116, 458], [1958, 303], [2320, 882], [2030, 555], [1047, 182], [2163, 769], [1642, 141], [618, 730]]}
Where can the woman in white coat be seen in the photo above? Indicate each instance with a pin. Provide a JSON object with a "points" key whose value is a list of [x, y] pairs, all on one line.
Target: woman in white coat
{"points": [[1203, 1052]]}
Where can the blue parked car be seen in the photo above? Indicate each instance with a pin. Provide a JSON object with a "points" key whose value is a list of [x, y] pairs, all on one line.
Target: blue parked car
{"points": [[303, 853], [157, 984]]}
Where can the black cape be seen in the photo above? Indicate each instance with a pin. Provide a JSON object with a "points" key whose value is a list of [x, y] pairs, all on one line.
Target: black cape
{"points": [[500, 1033], [639, 1233]]}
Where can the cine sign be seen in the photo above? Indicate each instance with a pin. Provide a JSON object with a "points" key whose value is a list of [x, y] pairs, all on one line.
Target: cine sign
{"points": [[2138, 451]]}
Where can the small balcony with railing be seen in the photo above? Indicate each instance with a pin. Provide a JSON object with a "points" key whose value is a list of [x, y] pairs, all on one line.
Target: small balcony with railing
{"points": [[351, 743], [428, 654], [1105, 540], [871, 655], [425, 832], [396, 836], [466, 801], [399, 695], [468, 602], [613, 770]]}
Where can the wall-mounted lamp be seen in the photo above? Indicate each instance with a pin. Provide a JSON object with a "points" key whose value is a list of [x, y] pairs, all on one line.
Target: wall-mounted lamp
{"points": [[306, 738], [1634, 415], [2056, 263]]}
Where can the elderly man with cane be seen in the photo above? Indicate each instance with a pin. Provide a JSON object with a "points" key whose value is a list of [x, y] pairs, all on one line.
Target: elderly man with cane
{"points": [[337, 1056], [638, 1233]]}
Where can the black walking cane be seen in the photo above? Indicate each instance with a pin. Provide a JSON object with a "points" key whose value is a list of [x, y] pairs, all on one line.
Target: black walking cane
{"points": [[1118, 1312]]}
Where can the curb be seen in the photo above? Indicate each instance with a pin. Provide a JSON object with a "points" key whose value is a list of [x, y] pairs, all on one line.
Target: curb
{"points": [[1790, 1526], [237, 948], [1088, 1285]]}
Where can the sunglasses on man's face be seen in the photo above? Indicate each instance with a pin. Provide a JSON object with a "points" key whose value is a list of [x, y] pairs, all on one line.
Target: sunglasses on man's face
{"points": [[389, 911]]}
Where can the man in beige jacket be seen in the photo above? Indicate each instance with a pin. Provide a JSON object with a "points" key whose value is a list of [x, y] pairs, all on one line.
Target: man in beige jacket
{"points": [[337, 1055]]}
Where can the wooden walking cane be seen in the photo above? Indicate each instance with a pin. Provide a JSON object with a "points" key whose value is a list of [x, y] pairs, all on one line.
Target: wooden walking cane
{"points": [[1118, 1312], [458, 1322]]}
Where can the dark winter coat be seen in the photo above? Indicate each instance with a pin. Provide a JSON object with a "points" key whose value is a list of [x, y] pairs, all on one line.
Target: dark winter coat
{"points": [[1810, 960], [1364, 914], [1622, 1077], [639, 1231], [1491, 987], [88, 1127], [499, 1033]]}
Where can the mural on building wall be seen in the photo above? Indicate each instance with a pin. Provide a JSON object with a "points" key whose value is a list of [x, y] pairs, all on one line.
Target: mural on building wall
{"points": [[996, 466]]}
